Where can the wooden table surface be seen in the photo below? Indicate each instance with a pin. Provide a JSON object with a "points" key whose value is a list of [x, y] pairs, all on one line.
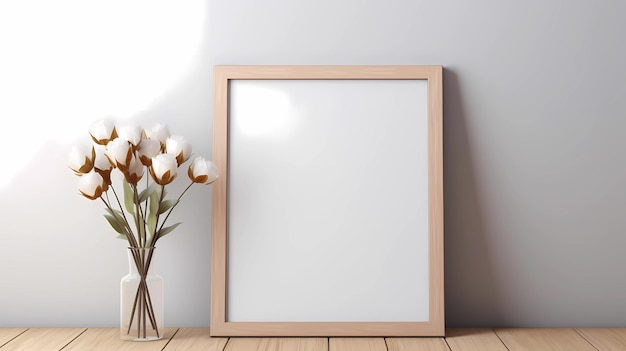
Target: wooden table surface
{"points": [[190, 339]]}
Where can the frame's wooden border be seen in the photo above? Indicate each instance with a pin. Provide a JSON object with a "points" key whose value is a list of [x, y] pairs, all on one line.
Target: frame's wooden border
{"points": [[219, 324]]}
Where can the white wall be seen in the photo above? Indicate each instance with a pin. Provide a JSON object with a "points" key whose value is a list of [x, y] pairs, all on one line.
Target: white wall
{"points": [[534, 168]]}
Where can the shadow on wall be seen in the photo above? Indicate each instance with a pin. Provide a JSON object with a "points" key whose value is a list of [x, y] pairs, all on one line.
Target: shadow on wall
{"points": [[471, 291]]}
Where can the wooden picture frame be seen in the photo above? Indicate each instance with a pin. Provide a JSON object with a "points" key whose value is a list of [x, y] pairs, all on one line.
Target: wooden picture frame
{"points": [[264, 275]]}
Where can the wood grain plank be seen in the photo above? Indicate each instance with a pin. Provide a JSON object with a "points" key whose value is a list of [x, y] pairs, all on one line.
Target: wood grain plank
{"points": [[195, 339], [473, 339], [106, 339], [605, 338], [43, 339], [416, 344], [557, 339], [277, 344], [357, 344], [8, 334]]}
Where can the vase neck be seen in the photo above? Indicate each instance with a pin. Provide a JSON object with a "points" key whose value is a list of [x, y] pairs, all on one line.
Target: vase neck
{"points": [[140, 259]]}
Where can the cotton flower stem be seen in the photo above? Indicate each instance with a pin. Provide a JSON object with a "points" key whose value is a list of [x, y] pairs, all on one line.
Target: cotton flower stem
{"points": [[155, 237], [145, 207], [143, 301], [127, 229], [139, 218], [129, 235]]}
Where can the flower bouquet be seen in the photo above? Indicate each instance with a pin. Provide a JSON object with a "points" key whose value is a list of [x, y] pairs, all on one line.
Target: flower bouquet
{"points": [[138, 214]]}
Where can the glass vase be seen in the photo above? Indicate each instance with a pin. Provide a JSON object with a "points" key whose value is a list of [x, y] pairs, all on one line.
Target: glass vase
{"points": [[141, 303]]}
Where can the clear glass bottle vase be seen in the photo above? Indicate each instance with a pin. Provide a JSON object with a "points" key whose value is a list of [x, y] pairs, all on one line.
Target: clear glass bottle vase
{"points": [[141, 303]]}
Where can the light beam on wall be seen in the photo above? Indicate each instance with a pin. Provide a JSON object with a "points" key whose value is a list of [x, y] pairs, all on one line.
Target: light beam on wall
{"points": [[67, 62]]}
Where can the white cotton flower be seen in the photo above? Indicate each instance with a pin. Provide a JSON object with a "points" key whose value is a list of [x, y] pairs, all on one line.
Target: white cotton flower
{"points": [[159, 132], [163, 169], [81, 159], [202, 171], [101, 163], [132, 133], [102, 132], [147, 150], [119, 153], [134, 172], [179, 147], [91, 185]]}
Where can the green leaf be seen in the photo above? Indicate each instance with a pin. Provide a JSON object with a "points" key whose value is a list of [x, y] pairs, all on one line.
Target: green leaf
{"points": [[155, 197], [123, 237], [119, 218], [147, 193], [163, 232], [152, 222], [117, 214], [129, 196], [114, 223], [166, 205]]}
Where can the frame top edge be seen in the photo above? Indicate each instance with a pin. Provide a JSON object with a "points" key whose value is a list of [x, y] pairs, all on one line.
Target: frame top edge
{"points": [[327, 71]]}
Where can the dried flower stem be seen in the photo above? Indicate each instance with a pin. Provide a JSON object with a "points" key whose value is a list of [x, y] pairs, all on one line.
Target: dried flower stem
{"points": [[155, 237], [143, 302]]}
